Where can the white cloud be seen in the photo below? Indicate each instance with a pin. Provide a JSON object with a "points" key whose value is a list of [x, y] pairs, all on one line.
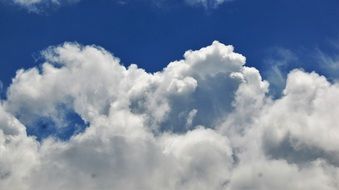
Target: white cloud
{"points": [[203, 122]]}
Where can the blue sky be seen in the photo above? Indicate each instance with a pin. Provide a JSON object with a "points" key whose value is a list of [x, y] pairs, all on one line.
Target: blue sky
{"points": [[153, 34]]}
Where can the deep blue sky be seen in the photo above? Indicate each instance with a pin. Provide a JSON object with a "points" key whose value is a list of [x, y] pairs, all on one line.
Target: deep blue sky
{"points": [[151, 36]]}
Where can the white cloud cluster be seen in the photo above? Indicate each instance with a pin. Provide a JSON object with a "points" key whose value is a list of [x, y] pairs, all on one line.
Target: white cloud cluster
{"points": [[203, 122]]}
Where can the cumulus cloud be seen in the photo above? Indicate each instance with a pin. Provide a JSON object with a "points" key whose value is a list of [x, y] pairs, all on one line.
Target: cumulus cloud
{"points": [[204, 122]]}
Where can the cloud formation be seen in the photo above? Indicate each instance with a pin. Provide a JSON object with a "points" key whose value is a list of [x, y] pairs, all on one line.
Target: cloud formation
{"points": [[204, 122]]}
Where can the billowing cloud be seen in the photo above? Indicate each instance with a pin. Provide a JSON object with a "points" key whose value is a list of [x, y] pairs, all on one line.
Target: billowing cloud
{"points": [[204, 122]]}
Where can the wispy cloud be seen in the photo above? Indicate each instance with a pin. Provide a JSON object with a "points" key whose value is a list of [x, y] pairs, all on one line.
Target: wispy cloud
{"points": [[328, 63], [277, 65]]}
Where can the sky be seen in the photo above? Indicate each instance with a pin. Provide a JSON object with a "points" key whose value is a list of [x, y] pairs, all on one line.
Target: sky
{"points": [[169, 94], [153, 33]]}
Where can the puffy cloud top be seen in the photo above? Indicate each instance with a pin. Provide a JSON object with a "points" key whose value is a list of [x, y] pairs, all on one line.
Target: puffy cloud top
{"points": [[204, 122]]}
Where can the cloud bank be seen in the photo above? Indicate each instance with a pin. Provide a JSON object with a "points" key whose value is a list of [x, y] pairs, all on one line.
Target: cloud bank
{"points": [[204, 122]]}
